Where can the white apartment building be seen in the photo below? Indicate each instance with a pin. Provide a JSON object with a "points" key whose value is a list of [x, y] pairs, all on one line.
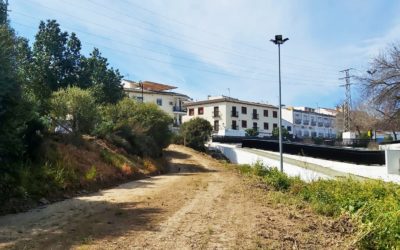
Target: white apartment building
{"points": [[304, 122], [160, 94], [231, 117]]}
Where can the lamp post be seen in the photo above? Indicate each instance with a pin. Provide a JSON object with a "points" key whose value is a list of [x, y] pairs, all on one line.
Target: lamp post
{"points": [[278, 41]]}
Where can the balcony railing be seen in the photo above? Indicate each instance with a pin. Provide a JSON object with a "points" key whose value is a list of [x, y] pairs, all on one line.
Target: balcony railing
{"points": [[216, 114], [234, 113], [234, 127], [306, 122], [327, 125], [320, 124], [313, 123], [256, 116], [179, 109], [297, 121]]}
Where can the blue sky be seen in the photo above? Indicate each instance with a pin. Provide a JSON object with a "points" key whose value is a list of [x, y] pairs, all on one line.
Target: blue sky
{"points": [[214, 47]]}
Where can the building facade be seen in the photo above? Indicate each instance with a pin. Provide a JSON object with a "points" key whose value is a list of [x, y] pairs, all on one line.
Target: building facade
{"points": [[231, 117], [304, 122], [160, 94]]}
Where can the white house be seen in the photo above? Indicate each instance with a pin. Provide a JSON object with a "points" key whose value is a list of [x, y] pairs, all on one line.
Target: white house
{"points": [[231, 117], [304, 122], [160, 94]]}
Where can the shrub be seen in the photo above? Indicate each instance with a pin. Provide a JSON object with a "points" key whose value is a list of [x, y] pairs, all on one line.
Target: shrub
{"points": [[196, 133], [251, 132], [75, 106], [374, 205], [140, 128]]}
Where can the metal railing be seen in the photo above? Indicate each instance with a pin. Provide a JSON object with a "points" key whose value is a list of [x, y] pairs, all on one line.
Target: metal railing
{"points": [[234, 113], [255, 116], [216, 114], [179, 109]]}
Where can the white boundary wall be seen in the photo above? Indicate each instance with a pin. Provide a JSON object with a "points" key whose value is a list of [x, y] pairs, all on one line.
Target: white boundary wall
{"points": [[241, 156], [238, 156]]}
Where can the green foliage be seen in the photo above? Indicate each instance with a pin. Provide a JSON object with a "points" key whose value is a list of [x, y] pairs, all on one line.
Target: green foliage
{"points": [[374, 205], [15, 112], [196, 133], [3, 12], [251, 132], [285, 133], [177, 139], [388, 138], [104, 82], [91, 173], [317, 140], [76, 106], [140, 128]]}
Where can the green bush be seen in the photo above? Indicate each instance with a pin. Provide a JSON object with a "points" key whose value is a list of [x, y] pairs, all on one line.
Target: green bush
{"points": [[196, 133], [374, 205], [140, 128], [75, 106], [251, 132]]}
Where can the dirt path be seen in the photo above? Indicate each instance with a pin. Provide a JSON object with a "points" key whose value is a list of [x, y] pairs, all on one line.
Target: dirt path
{"points": [[199, 205]]}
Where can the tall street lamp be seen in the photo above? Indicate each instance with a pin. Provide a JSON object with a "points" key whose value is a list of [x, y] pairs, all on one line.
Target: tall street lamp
{"points": [[278, 41]]}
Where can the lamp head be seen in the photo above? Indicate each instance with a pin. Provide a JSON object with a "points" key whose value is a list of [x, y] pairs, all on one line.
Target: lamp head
{"points": [[279, 39]]}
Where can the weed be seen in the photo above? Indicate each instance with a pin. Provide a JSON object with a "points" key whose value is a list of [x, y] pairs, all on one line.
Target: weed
{"points": [[91, 173], [373, 205]]}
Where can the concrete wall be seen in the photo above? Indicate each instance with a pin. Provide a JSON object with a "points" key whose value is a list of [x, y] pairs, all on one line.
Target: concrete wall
{"points": [[238, 156], [392, 158]]}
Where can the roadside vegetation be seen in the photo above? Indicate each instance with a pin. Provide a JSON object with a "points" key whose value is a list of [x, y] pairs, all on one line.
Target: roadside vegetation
{"points": [[194, 134], [372, 206], [66, 124]]}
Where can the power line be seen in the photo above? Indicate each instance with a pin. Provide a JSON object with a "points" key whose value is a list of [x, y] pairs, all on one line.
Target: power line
{"points": [[219, 49], [215, 34], [182, 57], [123, 52]]}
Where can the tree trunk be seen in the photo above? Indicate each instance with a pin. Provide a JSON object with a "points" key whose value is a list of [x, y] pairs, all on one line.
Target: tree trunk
{"points": [[394, 135]]}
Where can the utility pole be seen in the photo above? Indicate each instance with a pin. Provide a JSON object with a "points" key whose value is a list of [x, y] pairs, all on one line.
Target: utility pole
{"points": [[347, 101]]}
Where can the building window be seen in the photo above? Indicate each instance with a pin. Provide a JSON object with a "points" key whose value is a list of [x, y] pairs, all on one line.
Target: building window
{"points": [[244, 124], [200, 110], [289, 128], [244, 110], [274, 125], [266, 125], [191, 112], [265, 113], [234, 125], [159, 101], [255, 126], [275, 114], [139, 98], [216, 125]]}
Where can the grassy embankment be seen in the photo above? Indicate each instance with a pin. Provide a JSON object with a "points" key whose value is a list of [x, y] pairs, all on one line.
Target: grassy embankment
{"points": [[68, 166], [372, 206]]}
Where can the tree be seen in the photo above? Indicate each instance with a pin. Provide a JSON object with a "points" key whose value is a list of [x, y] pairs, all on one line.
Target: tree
{"points": [[14, 110], [196, 133], [105, 82], [382, 87], [251, 132], [48, 64], [75, 106], [3, 13], [285, 133]]}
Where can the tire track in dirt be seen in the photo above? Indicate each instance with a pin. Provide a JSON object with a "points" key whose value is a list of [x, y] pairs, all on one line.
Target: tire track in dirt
{"points": [[199, 205]]}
